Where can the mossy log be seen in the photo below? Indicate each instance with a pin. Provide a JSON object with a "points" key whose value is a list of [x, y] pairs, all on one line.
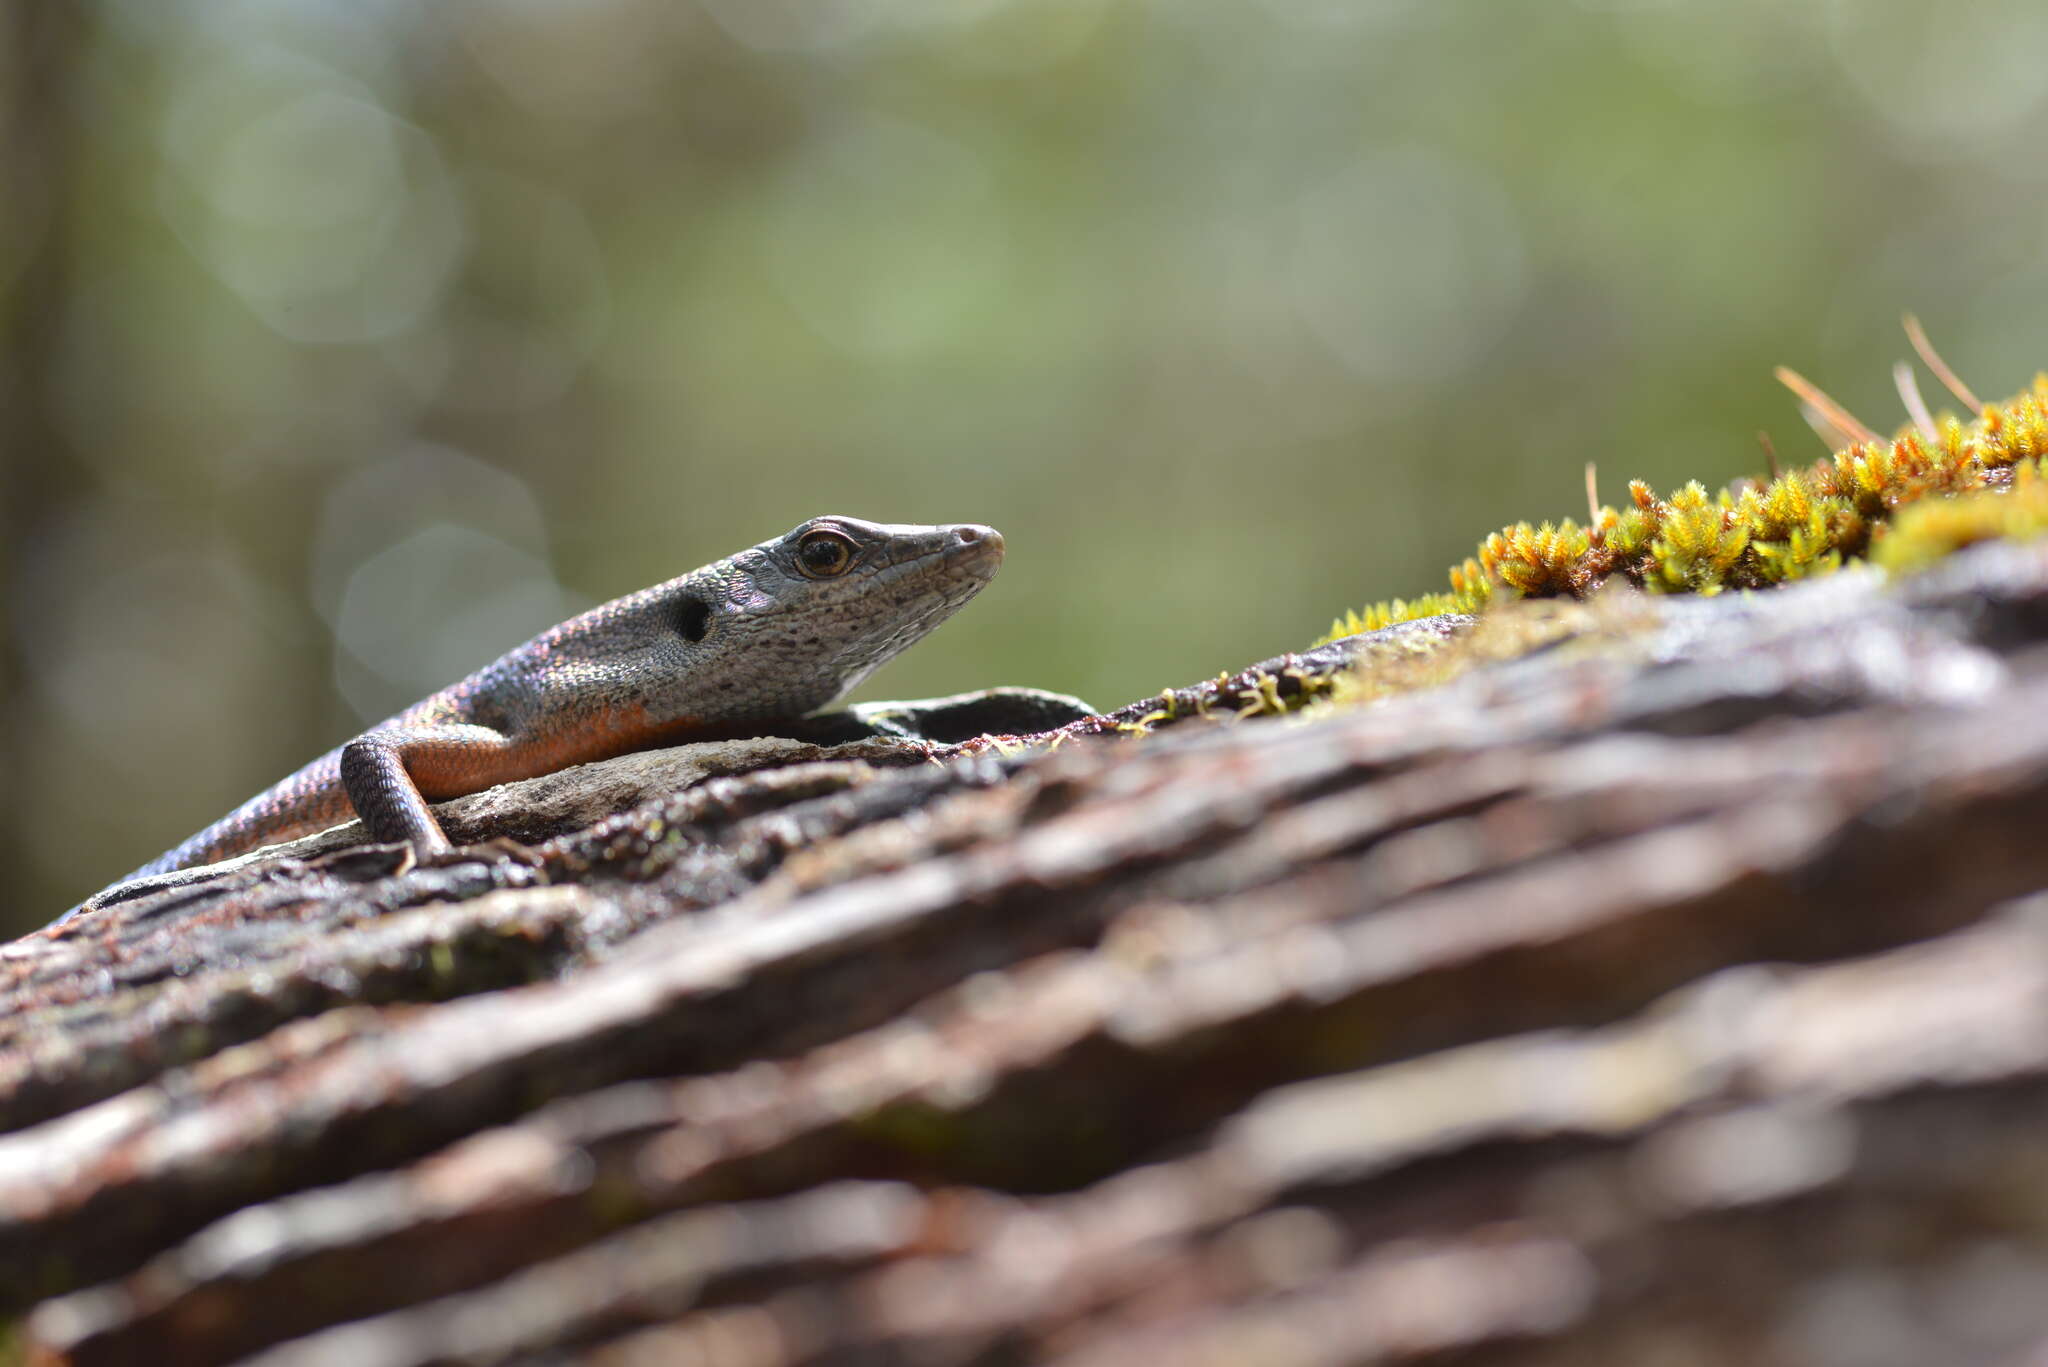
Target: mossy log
{"points": [[1665, 985]]}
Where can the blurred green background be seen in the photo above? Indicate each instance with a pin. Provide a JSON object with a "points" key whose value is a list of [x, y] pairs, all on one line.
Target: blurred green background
{"points": [[348, 344]]}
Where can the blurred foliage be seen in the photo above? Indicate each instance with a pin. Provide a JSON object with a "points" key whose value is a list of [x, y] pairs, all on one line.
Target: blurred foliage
{"points": [[349, 344]]}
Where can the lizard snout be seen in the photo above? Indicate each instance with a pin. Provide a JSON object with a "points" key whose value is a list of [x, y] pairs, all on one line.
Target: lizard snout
{"points": [[971, 536]]}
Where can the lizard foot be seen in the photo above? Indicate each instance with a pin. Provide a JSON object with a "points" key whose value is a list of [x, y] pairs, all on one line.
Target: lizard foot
{"points": [[501, 849], [950, 720]]}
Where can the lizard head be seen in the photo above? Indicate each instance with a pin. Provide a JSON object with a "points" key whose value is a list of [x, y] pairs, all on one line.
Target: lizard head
{"points": [[792, 625]]}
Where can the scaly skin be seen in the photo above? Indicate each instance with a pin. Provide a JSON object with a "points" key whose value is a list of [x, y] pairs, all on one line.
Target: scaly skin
{"points": [[771, 634]]}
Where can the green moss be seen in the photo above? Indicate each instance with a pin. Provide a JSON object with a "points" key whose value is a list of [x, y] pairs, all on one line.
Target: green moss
{"points": [[912, 1127], [1901, 503], [1926, 532], [1508, 632]]}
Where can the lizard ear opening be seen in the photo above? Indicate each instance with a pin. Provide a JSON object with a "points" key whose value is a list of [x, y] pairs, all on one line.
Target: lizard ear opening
{"points": [[693, 618]]}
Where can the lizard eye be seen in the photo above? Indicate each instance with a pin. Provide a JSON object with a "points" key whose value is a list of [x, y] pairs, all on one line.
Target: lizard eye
{"points": [[823, 554]]}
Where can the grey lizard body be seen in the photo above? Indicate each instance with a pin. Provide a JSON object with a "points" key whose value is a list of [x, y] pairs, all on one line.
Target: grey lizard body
{"points": [[773, 633]]}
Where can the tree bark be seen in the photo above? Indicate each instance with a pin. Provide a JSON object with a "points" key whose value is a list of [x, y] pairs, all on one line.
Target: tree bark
{"points": [[1652, 978]]}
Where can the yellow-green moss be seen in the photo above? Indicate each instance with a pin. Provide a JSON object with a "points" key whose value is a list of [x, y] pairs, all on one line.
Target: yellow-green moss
{"points": [[1926, 532], [1756, 534], [1510, 631]]}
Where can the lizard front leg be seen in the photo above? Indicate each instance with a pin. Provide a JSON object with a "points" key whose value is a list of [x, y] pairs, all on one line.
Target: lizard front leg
{"points": [[389, 776]]}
